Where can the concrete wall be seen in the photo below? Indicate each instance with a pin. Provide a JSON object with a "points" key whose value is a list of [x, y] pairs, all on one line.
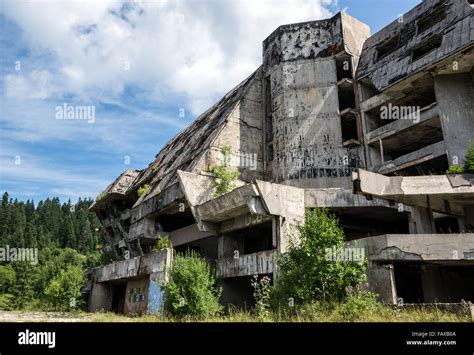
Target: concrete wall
{"points": [[307, 136], [454, 94], [100, 298], [243, 133], [156, 296], [305, 100]]}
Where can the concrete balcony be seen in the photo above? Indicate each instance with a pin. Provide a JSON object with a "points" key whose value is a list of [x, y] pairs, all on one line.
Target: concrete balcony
{"points": [[247, 264], [419, 156], [403, 124]]}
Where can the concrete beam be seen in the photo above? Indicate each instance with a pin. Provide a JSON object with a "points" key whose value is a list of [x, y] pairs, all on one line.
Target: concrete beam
{"points": [[239, 201], [241, 222], [187, 235], [419, 247], [340, 198], [397, 186]]}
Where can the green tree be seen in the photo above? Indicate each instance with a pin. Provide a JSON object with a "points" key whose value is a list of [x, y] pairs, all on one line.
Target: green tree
{"points": [[64, 291], [23, 287], [7, 278], [305, 271], [4, 218], [191, 289]]}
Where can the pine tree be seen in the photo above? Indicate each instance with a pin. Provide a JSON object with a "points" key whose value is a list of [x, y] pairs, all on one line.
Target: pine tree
{"points": [[4, 218]]}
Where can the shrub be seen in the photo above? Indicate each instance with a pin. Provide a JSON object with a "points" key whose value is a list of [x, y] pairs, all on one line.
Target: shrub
{"points": [[359, 304], [225, 178], [64, 291], [455, 169], [6, 302], [191, 289], [469, 160], [142, 190], [262, 289], [305, 272], [162, 243]]}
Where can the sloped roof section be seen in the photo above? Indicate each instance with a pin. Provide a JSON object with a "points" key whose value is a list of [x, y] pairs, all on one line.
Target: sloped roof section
{"points": [[118, 189], [184, 150]]}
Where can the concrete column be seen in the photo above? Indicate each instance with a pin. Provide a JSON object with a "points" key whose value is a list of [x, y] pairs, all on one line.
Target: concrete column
{"points": [[101, 297], [454, 95], [381, 279], [421, 221]]}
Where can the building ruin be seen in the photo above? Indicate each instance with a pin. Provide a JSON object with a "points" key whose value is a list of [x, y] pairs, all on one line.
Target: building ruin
{"points": [[364, 125]]}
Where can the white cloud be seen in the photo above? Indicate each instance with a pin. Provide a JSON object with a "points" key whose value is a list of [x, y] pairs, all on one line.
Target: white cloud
{"points": [[36, 169], [199, 49]]}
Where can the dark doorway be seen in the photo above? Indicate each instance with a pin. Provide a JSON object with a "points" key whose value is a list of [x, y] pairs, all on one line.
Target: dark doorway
{"points": [[409, 283], [118, 298]]}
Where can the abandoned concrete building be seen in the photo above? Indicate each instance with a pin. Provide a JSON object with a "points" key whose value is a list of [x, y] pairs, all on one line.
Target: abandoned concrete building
{"points": [[364, 125]]}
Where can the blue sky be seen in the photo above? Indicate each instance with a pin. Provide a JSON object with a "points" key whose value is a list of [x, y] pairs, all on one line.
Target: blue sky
{"points": [[147, 69]]}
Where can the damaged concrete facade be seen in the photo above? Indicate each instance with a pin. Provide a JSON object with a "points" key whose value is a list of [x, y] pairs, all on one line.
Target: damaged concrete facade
{"points": [[308, 130]]}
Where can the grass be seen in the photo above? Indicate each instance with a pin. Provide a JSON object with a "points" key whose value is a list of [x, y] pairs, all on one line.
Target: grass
{"points": [[309, 313]]}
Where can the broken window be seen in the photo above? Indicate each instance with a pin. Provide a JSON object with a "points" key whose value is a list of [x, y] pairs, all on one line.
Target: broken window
{"points": [[445, 224], [427, 46], [349, 127], [388, 47], [430, 20], [346, 95]]}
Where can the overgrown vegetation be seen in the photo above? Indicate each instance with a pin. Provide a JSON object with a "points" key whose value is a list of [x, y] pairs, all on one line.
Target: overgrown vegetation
{"points": [[191, 289], [162, 243], [311, 312], [262, 291], [225, 177], [468, 167], [142, 189], [455, 169], [306, 273], [469, 160]]}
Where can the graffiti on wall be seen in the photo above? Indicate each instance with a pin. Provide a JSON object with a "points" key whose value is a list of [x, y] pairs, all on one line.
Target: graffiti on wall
{"points": [[136, 296]]}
